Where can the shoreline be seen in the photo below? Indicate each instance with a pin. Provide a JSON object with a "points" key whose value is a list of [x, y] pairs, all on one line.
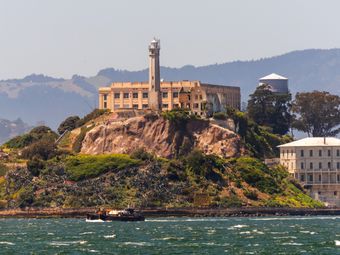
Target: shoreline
{"points": [[173, 212]]}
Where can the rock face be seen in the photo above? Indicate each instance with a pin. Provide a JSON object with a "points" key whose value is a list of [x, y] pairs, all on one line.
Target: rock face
{"points": [[162, 137]]}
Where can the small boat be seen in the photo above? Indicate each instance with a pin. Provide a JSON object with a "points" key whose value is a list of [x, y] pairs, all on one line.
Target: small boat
{"points": [[128, 214]]}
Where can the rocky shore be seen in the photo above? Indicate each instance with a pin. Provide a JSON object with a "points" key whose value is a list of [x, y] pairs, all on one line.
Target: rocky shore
{"points": [[173, 212]]}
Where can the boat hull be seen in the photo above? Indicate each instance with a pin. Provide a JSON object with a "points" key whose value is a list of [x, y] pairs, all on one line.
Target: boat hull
{"points": [[115, 218]]}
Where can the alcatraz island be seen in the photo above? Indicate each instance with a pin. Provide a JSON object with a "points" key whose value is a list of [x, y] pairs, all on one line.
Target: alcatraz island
{"points": [[180, 148]]}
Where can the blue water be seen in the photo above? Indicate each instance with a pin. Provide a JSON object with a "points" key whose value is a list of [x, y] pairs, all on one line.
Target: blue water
{"points": [[272, 235]]}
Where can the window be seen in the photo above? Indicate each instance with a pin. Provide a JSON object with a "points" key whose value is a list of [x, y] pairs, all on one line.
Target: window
{"points": [[201, 97], [145, 106], [145, 95], [175, 95], [302, 165], [302, 153], [310, 177], [105, 97], [337, 165], [283, 153], [126, 106], [117, 106], [302, 177], [165, 94], [311, 153], [320, 153], [135, 106], [195, 106], [335, 193], [338, 177], [329, 165], [105, 105], [165, 106], [320, 165], [135, 95], [338, 153], [117, 95], [175, 106], [196, 97], [126, 95], [329, 153], [311, 165], [319, 177]]}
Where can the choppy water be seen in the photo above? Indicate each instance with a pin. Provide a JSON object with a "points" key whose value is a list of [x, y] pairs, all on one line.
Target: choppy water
{"points": [[281, 235]]}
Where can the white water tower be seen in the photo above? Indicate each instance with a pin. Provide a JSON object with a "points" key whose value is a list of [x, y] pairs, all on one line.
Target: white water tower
{"points": [[277, 83]]}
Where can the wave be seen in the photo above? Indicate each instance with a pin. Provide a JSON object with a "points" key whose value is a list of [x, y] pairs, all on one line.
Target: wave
{"points": [[67, 243], [110, 236], [8, 243], [337, 243]]}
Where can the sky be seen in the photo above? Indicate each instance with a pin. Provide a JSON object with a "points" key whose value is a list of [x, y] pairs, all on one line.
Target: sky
{"points": [[60, 38]]}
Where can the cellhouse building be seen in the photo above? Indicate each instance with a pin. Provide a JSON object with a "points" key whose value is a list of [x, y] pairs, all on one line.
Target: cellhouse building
{"points": [[195, 96], [315, 162]]}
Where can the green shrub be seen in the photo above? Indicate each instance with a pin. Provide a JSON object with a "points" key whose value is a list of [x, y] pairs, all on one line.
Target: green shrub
{"points": [[256, 174], [141, 154], [91, 116], [220, 116], [43, 149], [3, 169], [36, 134], [87, 166], [251, 194], [35, 165], [69, 123]]}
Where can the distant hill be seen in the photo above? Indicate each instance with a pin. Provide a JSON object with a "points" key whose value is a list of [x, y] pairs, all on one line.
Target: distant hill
{"points": [[39, 98], [9, 129]]}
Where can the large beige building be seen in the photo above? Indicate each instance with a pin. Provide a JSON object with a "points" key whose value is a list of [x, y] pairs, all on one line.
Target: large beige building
{"points": [[199, 98], [315, 162]]}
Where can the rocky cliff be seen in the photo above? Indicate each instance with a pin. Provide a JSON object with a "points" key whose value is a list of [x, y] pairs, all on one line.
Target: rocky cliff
{"points": [[165, 138]]}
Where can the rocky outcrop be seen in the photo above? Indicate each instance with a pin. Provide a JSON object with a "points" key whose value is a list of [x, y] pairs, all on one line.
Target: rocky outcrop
{"points": [[162, 137]]}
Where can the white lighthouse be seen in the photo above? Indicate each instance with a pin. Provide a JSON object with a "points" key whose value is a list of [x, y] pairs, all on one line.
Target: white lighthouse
{"points": [[154, 76]]}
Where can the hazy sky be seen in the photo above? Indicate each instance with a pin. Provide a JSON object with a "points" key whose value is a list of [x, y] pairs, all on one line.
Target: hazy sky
{"points": [[65, 37]]}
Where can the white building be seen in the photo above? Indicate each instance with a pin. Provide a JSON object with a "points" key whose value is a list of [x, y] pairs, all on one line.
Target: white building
{"points": [[315, 162]]}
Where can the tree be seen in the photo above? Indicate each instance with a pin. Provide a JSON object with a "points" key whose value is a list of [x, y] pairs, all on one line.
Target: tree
{"points": [[269, 109], [68, 124], [317, 113]]}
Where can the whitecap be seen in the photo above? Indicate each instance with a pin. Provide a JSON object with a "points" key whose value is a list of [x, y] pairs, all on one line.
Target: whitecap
{"points": [[110, 236], [94, 220], [8, 243], [137, 243], [295, 244], [67, 243], [86, 233], [237, 226], [337, 243]]}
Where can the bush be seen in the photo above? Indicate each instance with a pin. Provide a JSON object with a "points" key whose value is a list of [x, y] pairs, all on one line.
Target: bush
{"points": [[68, 124], [86, 166], [141, 154], [3, 169], [220, 116], [91, 116], [35, 165], [36, 134], [43, 149], [256, 174], [251, 194]]}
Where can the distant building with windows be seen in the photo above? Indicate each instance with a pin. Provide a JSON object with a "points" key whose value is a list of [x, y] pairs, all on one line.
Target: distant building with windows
{"points": [[315, 162], [199, 98]]}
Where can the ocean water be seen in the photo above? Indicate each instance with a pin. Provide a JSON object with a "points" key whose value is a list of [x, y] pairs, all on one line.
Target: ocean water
{"points": [[270, 235]]}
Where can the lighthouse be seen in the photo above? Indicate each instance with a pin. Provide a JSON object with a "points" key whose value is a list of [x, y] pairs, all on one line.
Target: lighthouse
{"points": [[155, 100]]}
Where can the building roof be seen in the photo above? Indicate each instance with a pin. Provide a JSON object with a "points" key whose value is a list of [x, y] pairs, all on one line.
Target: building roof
{"points": [[273, 76], [313, 141]]}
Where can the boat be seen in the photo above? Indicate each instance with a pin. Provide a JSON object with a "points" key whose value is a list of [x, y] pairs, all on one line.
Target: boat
{"points": [[128, 214]]}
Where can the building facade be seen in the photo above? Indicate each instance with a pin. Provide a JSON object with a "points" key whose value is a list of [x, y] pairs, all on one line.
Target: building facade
{"points": [[199, 98], [315, 162]]}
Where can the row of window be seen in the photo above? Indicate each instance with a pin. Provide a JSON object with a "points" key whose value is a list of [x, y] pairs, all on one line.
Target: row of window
{"points": [[311, 153], [145, 95], [144, 106], [311, 165], [310, 178]]}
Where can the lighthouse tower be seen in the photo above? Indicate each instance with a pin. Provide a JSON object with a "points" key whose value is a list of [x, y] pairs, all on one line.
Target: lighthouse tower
{"points": [[155, 102]]}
